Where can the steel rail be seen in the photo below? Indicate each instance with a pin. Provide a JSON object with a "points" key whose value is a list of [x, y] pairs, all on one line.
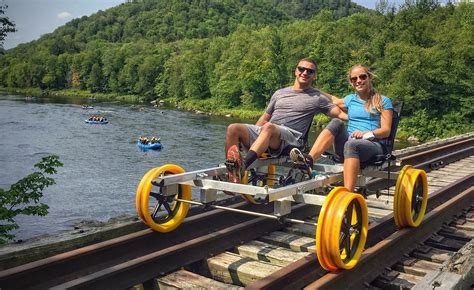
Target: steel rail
{"points": [[430, 159], [306, 270], [453, 145], [375, 259], [105, 256], [98, 256], [143, 268]]}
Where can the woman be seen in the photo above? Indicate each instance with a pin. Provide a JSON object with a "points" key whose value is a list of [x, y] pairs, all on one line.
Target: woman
{"points": [[370, 119]]}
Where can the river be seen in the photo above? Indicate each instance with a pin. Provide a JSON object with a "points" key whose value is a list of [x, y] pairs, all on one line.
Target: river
{"points": [[102, 165]]}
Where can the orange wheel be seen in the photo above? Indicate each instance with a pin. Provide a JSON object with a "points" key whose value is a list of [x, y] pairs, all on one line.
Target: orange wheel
{"points": [[410, 199], [163, 213]]}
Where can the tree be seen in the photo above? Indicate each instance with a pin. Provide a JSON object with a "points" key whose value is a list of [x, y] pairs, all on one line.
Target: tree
{"points": [[385, 7], [24, 196], [95, 82], [6, 26]]}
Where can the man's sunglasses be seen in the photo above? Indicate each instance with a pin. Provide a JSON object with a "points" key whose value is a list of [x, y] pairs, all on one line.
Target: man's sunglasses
{"points": [[362, 77], [310, 71]]}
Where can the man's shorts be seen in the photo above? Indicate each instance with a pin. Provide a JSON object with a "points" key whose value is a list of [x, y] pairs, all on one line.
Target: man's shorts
{"points": [[288, 137]]}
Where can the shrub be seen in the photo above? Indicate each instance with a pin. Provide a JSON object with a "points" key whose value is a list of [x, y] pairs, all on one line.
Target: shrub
{"points": [[24, 196]]}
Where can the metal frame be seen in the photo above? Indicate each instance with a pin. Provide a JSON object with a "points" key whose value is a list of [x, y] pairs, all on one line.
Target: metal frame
{"points": [[310, 191]]}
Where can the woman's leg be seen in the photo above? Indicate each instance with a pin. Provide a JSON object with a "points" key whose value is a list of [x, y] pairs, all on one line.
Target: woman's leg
{"points": [[356, 151], [351, 170], [322, 143], [335, 132]]}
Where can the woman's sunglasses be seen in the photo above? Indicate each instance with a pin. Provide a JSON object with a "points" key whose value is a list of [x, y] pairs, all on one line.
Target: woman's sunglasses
{"points": [[310, 71], [362, 77]]}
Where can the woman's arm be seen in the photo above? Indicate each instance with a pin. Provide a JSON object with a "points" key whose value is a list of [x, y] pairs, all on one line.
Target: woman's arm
{"points": [[380, 133], [385, 124]]}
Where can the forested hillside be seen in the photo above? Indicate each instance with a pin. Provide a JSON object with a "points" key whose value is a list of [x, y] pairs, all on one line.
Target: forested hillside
{"points": [[166, 21], [214, 55]]}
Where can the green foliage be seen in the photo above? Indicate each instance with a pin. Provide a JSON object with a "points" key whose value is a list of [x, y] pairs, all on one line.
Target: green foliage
{"points": [[23, 197], [425, 127], [6, 26], [321, 120], [226, 55]]}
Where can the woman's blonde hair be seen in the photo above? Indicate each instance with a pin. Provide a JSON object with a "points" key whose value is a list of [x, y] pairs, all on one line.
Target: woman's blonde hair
{"points": [[375, 98]]}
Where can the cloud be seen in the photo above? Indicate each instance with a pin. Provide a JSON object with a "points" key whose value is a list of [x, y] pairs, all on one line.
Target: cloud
{"points": [[65, 15]]}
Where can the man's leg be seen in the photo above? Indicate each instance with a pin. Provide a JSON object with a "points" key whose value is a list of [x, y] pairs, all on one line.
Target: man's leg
{"points": [[236, 133], [269, 137], [234, 164]]}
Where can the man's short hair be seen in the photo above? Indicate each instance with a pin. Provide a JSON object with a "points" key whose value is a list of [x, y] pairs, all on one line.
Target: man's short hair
{"points": [[307, 59]]}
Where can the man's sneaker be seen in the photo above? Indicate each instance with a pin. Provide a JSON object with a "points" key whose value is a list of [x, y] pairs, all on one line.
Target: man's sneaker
{"points": [[234, 164], [302, 160]]}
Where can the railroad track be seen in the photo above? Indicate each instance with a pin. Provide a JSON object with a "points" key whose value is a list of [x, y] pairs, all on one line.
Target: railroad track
{"points": [[240, 250]]}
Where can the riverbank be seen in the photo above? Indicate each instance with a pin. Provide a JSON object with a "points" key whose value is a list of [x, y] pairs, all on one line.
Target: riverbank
{"points": [[207, 107], [201, 107]]}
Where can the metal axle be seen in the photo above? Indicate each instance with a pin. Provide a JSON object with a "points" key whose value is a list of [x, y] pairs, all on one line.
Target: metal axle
{"points": [[282, 219]]}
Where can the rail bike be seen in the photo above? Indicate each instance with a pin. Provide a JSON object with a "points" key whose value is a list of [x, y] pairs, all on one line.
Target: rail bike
{"points": [[164, 194]]}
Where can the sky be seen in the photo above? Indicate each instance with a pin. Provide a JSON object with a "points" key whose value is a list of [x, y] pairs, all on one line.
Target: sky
{"points": [[34, 18]]}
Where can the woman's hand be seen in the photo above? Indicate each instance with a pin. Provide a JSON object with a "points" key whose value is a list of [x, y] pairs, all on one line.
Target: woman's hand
{"points": [[369, 135]]}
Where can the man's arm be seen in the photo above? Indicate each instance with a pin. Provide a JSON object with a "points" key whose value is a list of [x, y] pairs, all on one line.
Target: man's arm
{"points": [[263, 119], [335, 100], [336, 112]]}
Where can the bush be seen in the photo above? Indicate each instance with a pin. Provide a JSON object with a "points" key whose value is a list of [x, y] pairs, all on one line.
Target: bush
{"points": [[24, 196]]}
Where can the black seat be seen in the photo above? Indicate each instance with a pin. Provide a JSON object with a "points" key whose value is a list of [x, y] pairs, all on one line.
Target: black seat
{"points": [[387, 143]]}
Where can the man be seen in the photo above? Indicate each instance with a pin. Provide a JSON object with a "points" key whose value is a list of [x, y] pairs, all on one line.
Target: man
{"points": [[285, 122]]}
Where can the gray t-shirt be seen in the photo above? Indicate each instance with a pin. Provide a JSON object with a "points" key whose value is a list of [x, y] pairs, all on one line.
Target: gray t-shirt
{"points": [[295, 109]]}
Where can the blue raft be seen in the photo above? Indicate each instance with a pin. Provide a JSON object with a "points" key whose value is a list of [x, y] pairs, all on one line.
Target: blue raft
{"points": [[97, 122], [154, 146]]}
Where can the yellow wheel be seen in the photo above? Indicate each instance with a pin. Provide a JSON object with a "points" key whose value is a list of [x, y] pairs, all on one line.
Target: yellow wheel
{"points": [[411, 196], [145, 179], [342, 230], [269, 180], [162, 213]]}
